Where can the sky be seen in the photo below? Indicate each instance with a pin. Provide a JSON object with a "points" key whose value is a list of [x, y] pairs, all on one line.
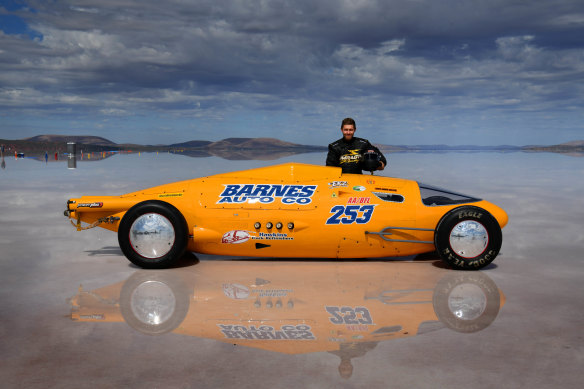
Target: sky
{"points": [[410, 72]]}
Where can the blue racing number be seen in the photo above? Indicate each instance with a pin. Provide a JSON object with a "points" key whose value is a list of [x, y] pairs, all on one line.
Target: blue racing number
{"points": [[349, 214]]}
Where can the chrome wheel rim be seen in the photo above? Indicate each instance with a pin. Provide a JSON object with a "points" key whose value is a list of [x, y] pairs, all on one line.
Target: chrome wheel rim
{"points": [[469, 239], [152, 235], [153, 303], [467, 302]]}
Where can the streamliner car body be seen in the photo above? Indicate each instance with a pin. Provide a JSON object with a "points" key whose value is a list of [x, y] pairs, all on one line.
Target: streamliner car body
{"points": [[296, 211]]}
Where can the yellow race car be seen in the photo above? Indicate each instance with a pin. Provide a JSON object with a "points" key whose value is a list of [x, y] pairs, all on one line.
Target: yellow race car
{"points": [[296, 210]]}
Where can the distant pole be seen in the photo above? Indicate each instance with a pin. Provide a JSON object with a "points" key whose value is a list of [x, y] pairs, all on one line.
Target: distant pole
{"points": [[71, 148]]}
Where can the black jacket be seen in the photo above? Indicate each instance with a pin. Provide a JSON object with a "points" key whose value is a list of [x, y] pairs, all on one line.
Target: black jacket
{"points": [[347, 155]]}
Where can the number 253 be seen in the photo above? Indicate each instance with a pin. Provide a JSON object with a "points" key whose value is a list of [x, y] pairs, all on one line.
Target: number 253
{"points": [[348, 214]]}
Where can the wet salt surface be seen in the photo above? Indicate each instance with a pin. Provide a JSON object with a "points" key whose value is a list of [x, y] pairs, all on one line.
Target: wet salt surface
{"points": [[535, 340]]}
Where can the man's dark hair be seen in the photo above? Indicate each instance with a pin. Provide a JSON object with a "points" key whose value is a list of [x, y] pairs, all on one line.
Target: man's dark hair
{"points": [[349, 121]]}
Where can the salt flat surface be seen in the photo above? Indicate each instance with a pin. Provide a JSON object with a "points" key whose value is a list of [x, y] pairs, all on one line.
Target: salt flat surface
{"points": [[50, 274]]}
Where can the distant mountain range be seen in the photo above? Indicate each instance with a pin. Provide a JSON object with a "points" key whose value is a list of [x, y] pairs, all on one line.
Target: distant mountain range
{"points": [[230, 148], [244, 148], [80, 139]]}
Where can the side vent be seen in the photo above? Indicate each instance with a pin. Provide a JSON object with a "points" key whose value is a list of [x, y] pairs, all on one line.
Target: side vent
{"points": [[391, 197]]}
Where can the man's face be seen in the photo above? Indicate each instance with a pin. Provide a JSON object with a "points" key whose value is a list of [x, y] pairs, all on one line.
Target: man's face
{"points": [[348, 131]]}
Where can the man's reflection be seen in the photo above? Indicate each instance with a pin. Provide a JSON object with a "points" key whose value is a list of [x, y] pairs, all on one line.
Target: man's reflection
{"points": [[348, 351]]}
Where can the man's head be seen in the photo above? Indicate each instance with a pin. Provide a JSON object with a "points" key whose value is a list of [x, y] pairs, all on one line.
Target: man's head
{"points": [[346, 368], [348, 128]]}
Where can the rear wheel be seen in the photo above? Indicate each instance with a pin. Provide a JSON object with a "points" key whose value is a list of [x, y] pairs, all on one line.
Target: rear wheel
{"points": [[466, 301], [153, 234], [468, 238]]}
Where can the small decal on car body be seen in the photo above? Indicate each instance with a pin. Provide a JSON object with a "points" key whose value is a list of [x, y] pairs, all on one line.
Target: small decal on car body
{"points": [[264, 332], [338, 184], [163, 195], [236, 291], [235, 236], [90, 205], [272, 236], [359, 200]]}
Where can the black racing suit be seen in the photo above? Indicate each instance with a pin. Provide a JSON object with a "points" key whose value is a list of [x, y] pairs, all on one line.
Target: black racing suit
{"points": [[347, 155]]}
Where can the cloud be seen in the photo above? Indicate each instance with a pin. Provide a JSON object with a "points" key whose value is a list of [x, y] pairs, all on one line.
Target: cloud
{"points": [[227, 59]]}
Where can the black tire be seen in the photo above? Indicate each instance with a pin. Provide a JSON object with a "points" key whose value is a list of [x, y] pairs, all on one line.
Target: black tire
{"points": [[159, 237], [466, 302], [482, 249], [154, 302]]}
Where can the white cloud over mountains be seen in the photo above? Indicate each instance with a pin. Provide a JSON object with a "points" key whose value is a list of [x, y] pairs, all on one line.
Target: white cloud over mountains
{"points": [[410, 71]]}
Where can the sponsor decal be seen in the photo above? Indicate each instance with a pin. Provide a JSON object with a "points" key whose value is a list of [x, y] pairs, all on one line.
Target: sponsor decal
{"points": [[386, 189], [153, 232], [236, 291], [163, 195], [349, 316], [359, 200], [235, 236], [93, 317], [337, 340], [359, 188], [266, 194], [357, 328], [285, 332], [352, 157], [272, 236], [349, 214], [90, 205], [272, 292], [338, 184]]}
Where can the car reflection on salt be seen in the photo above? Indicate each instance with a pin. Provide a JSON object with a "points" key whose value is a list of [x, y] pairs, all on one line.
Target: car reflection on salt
{"points": [[293, 307], [296, 210]]}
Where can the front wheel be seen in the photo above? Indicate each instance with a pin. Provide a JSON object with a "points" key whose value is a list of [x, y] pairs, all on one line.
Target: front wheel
{"points": [[153, 234], [154, 302], [468, 238]]}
